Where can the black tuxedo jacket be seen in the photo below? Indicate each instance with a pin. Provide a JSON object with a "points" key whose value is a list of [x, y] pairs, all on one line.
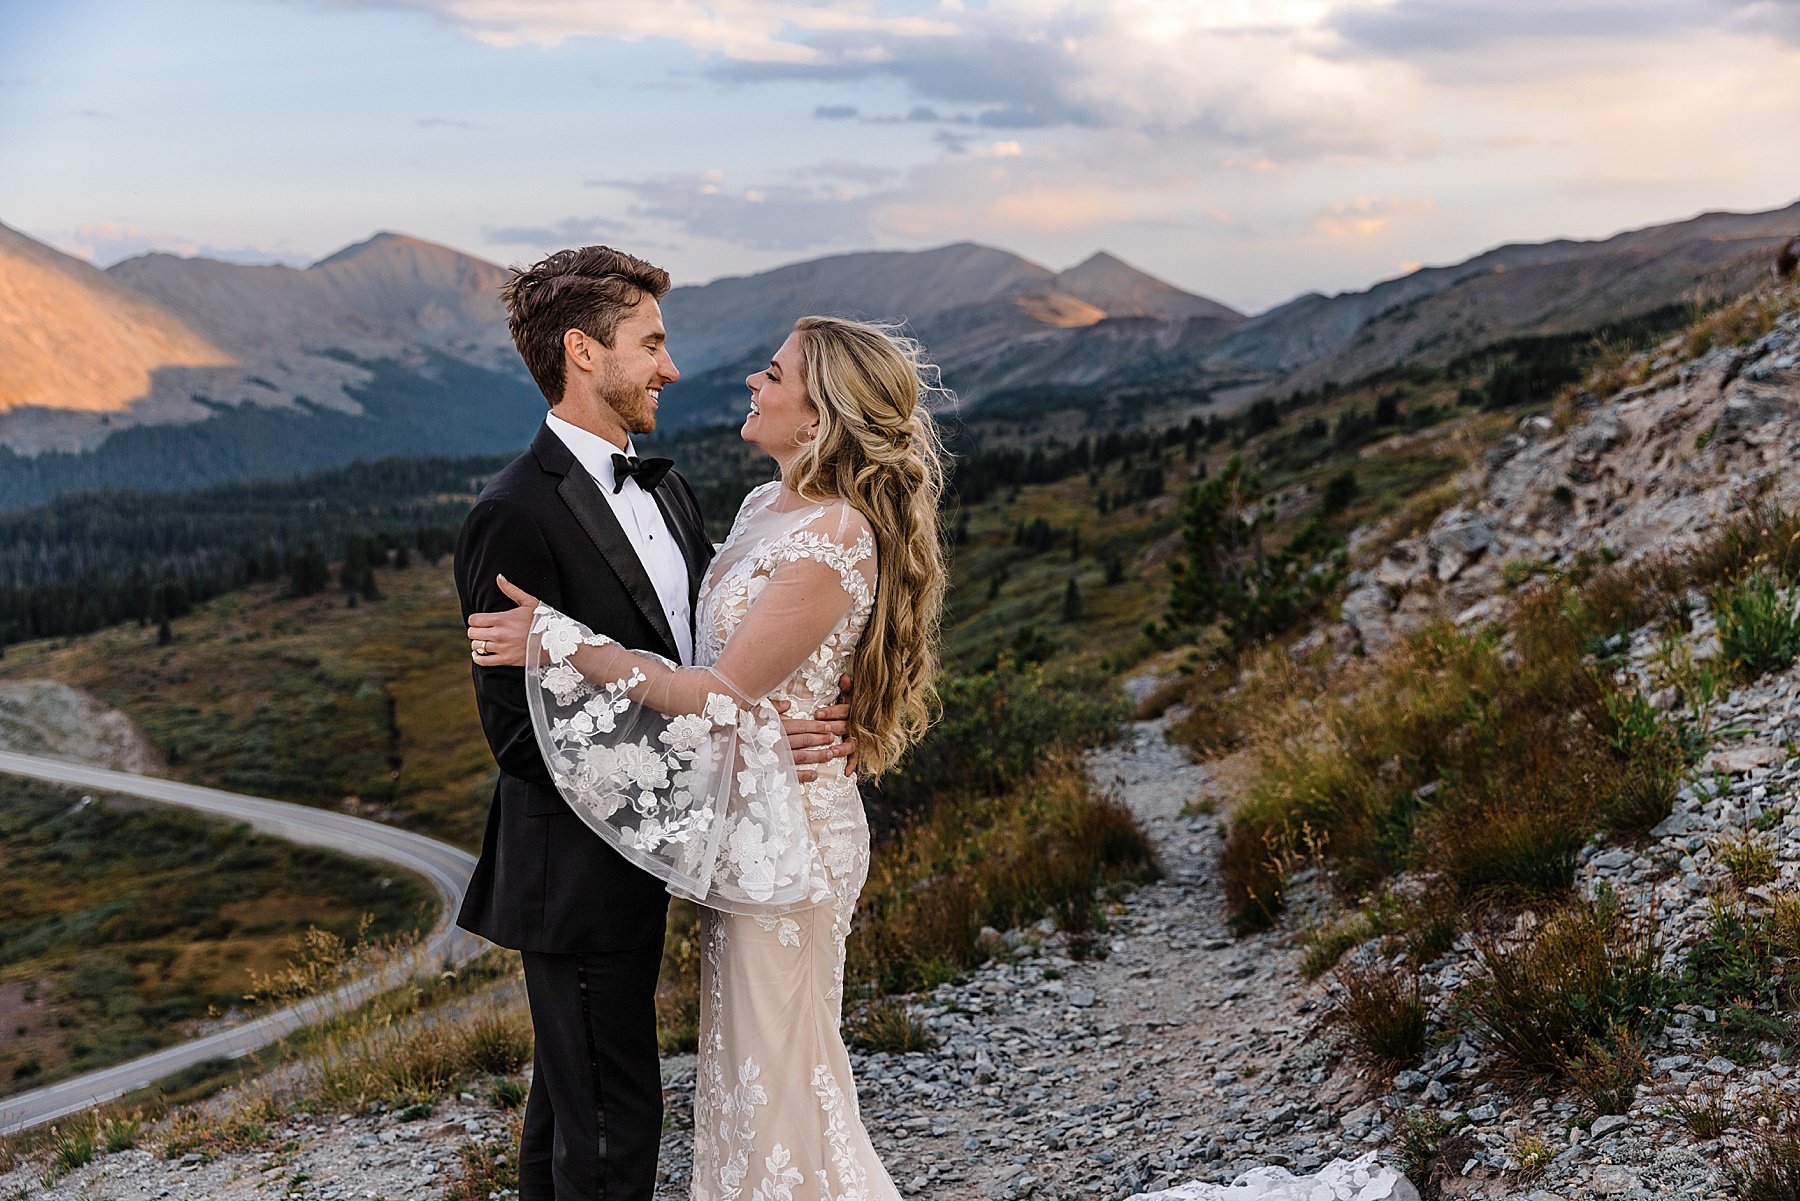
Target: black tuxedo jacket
{"points": [[545, 882]]}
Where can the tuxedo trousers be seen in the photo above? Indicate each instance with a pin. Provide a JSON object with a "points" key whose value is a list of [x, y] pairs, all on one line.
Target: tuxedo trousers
{"points": [[593, 1117]]}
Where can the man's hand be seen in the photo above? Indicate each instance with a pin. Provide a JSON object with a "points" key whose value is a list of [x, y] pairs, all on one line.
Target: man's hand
{"points": [[820, 738]]}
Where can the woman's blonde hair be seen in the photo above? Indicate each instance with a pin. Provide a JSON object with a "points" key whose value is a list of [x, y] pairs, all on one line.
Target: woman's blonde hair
{"points": [[878, 448]]}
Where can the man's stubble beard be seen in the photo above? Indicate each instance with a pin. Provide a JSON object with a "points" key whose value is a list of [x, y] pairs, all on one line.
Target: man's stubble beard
{"points": [[627, 401]]}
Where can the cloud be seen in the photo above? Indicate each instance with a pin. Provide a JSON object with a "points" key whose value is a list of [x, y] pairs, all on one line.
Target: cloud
{"points": [[788, 216], [745, 30], [1460, 42], [1368, 216], [852, 172], [445, 123], [104, 243], [1249, 77], [995, 190], [572, 231], [1408, 27]]}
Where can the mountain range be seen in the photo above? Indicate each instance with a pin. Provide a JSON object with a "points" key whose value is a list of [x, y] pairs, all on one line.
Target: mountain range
{"points": [[165, 371]]}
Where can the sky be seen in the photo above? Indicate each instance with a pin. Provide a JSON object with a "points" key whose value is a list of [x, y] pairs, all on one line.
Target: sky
{"points": [[1247, 150]]}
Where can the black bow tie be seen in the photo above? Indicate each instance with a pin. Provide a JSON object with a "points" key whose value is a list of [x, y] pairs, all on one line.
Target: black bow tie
{"points": [[648, 472]]}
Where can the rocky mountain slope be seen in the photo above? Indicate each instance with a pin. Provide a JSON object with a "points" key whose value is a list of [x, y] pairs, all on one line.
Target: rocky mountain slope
{"points": [[1655, 466], [1436, 313], [77, 348]]}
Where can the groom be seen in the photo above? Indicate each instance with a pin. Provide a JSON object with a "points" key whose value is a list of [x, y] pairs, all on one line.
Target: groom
{"points": [[618, 544]]}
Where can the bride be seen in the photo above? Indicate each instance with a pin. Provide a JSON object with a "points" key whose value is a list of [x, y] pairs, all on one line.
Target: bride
{"points": [[833, 567]]}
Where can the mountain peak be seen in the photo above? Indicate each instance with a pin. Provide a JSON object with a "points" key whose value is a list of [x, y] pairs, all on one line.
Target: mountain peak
{"points": [[388, 244], [1110, 283], [1102, 259]]}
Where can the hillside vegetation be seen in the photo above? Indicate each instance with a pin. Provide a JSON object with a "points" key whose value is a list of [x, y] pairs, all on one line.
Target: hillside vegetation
{"points": [[127, 923], [1527, 794]]}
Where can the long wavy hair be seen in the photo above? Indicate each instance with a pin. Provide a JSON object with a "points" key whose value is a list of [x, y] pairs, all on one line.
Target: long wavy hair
{"points": [[878, 448]]}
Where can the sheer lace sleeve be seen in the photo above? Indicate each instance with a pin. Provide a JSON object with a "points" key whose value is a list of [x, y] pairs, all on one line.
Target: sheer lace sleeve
{"points": [[685, 769]]}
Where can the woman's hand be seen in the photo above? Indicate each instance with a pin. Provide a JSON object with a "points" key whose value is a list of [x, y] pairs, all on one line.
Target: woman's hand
{"points": [[498, 639]]}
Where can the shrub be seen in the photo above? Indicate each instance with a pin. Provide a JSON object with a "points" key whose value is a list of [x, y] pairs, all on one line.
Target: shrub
{"points": [[1759, 625], [1749, 858], [1384, 1015], [1049, 848], [1706, 1118], [885, 1024], [998, 726], [1586, 975], [1739, 968], [1606, 1074], [1770, 1171]]}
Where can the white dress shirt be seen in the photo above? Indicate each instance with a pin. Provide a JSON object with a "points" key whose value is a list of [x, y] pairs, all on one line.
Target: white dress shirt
{"points": [[643, 524]]}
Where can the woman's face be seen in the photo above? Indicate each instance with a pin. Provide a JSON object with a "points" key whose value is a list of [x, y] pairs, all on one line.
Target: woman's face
{"points": [[782, 420]]}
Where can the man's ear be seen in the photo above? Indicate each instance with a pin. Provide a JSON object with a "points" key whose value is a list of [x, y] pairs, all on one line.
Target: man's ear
{"points": [[579, 349]]}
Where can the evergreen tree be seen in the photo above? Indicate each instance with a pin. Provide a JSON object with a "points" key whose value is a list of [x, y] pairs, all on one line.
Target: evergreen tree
{"points": [[1071, 606]]}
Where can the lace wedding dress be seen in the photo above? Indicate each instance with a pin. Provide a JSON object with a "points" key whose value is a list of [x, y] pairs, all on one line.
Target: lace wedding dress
{"points": [[1361, 1179], [684, 770]]}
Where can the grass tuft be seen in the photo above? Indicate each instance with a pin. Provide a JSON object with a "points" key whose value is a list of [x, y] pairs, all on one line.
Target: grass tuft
{"points": [[488, 1170], [1759, 625], [887, 1024], [1748, 856], [1588, 975], [1383, 1014], [1606, 1075], [1706, 1118], [1770, 1171]]}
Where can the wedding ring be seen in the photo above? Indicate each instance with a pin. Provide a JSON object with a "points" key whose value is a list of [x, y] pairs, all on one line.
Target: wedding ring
{"points": [[481, 647]]}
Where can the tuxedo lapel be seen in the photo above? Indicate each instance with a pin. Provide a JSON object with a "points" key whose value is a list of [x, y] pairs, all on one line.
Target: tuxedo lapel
{"points": [[686, 526], [582, 495]]}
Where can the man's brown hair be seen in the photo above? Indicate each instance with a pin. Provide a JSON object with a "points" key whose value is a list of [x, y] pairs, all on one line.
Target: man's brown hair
{"points": [[590, 289]]}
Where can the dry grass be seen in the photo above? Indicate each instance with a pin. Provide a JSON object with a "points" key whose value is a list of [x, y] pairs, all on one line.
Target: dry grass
{"points": [[1607, 1073], [1741, 322], [488, 1170], [1575, 992], [1770, 1171], [1383, 1014], [886, 1024], [1048, 849]]}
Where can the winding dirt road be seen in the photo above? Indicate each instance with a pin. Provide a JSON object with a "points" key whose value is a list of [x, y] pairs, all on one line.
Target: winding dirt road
{"points": [[446, 867]]}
